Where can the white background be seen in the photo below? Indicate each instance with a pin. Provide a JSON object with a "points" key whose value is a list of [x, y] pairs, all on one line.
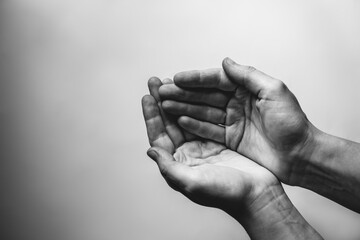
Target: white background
{"points": [[73, 74]]}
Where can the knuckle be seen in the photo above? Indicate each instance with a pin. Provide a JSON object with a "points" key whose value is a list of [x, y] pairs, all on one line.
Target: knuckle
{"points": [[164, 172], [250, 69], [167, 104], [208, 113], [186, 108], [247, 71], [278, 86], [190, 188], [202, 131]]}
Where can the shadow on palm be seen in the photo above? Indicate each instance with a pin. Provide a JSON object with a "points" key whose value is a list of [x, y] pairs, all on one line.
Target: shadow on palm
{"points": [[257, 116], [205, 171]]}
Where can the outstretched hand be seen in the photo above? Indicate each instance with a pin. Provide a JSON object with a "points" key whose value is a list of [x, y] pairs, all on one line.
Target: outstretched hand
{"points": [[210, 174], [248, 111], [205, 171]]}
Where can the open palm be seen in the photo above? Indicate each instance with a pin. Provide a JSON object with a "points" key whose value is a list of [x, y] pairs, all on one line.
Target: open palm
{"points": [[259, 118], [206, 172]]}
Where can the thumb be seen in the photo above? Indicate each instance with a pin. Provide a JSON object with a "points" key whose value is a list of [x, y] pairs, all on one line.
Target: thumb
{"points": [[174, 172], [249, 77]]}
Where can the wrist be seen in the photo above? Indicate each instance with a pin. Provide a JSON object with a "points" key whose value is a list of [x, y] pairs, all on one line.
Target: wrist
{"points": [[316, 158], [303, 156], [332, 170], [271, 215]]}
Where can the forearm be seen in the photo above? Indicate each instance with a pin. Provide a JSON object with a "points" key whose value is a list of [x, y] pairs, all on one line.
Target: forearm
{"points": [[333, 170], [272, 216]]}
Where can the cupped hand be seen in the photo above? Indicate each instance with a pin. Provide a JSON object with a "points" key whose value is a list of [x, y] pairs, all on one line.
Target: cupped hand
{"points": [[205, 171], [247, 111]]}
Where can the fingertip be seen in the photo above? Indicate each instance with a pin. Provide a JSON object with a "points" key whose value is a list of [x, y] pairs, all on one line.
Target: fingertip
{"points": [[167, 81], [186, 78], [163, 157], [228, 61], [144, 98], [168, 90], [230, 67], [178, 77], [152, 153], [162, 89], [147, 99], [240, 74], [153, 81]]}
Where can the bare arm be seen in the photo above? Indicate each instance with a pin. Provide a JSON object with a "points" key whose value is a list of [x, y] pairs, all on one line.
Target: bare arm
{"points": [[333, 169]]}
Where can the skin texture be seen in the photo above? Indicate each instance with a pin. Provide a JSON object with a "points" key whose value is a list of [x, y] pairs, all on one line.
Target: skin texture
{"points": [[211, 175], [248, 111], [257, 116], [205, 171]]}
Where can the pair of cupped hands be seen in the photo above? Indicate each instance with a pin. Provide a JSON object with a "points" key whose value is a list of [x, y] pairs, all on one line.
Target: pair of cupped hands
{"points": [[224, 137]]}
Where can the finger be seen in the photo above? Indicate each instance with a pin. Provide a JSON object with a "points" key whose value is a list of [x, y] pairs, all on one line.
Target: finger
{"points": [[209, 78], [153, 84], [167, 81], [208, 97], [175, 173], [254, 80], [156, 131], [200, 112], [187, 136], [170, 124], [203, 129]]}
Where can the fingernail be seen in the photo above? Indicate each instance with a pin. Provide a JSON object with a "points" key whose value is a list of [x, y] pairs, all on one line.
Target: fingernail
{"points": [[229, 61], [152, 154]]}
